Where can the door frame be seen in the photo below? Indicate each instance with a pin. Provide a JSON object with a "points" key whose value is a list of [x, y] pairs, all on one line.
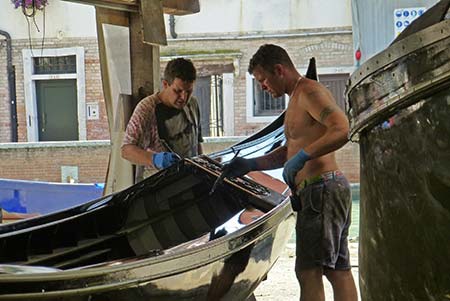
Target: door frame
{"points": [[30, 87]]}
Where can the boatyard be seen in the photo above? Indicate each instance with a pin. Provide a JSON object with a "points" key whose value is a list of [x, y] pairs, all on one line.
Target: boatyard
{"points": [[166, 150]]}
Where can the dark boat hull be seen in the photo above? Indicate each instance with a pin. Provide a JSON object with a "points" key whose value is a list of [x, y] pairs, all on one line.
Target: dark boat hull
{"points": [[400, 110], [165, 238], [230, 269]]}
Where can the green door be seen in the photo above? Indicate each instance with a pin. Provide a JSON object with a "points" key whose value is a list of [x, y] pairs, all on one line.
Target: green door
{"points": [[57, 110]]}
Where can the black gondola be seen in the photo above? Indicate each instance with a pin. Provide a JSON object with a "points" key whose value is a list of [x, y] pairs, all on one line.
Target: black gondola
{"points": [[165, 238]]}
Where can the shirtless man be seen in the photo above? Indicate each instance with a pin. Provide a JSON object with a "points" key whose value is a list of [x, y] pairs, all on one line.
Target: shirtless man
{"points": [[314, 128]]}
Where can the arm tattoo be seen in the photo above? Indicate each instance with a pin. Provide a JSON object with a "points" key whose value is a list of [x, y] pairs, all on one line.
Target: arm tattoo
{"points": [[325, 113]]}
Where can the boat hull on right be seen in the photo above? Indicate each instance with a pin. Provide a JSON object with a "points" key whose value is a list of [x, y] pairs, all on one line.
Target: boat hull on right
{"points": [[400, 113]]}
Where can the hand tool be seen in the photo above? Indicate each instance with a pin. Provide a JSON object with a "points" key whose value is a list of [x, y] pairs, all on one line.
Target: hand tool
{"points": [[222, 176]]}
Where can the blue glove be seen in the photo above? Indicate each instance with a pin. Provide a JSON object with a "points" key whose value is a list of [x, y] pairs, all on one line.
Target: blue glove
{"points": [[164, 160], [293, 166], [239, 167]]}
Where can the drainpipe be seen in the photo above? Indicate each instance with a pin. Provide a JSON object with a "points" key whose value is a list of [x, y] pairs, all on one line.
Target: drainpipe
{"points": [[11, 86], [173, 34]]}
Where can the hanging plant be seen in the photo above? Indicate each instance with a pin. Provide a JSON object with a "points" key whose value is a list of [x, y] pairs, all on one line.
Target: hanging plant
{"points": [[29, 8], [30, 4]]}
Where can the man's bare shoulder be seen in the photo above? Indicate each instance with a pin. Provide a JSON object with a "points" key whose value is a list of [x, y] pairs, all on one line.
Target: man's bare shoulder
{"points": [[311, 89]]}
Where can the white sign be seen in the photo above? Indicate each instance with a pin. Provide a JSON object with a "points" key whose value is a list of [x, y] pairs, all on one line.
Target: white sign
{"points": [[405, 16], [92, 111]]}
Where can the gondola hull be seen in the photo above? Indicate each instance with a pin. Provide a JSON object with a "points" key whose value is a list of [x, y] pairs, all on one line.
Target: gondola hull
{"points": [[400, 111], [166, 238]]}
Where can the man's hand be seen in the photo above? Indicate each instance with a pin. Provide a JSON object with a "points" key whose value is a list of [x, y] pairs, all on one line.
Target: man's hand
{"points": [[239, 167], [163, 160], [293, 166]]}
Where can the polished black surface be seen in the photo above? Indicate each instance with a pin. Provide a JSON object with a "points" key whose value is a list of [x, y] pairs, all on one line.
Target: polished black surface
{"points": [[165, 238]]}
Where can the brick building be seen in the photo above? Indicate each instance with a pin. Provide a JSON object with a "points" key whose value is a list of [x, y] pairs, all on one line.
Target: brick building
{"points": [[59, 90]]}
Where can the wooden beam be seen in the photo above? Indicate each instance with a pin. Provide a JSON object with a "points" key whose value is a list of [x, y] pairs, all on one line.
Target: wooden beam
{"points": [[180, 7], [172, 7], [121, 5], [153, 22], [145, 76]]}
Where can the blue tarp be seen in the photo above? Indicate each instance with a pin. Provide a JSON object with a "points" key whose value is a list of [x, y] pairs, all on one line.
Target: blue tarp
{"points": [[44, 197]]}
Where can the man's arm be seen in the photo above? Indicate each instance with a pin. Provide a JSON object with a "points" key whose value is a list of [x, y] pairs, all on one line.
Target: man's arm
{"points": [[321, 106], [241, 166], [274, 159], [137, 155]]}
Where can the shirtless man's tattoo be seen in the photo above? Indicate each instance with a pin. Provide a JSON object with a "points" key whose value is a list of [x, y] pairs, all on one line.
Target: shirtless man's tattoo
{"points": [[325, 112]]}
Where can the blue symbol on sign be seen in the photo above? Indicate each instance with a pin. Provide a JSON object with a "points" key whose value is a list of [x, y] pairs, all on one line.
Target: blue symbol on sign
{"points": [[406, 13], [413, 13], [398, 13], [421, 12], [399, 24], [406, 23]]}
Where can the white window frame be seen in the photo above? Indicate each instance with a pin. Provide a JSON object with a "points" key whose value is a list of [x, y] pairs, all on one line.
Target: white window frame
{"points": [[251, 118], [30, 87]]}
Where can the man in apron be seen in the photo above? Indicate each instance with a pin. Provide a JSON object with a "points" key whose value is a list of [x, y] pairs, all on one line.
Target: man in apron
{"points": [[165, 126]]}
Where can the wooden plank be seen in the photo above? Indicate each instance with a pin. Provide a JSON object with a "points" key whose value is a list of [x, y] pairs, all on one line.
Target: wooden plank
{"points": [[120, 172], [121, 5], [145, 68], [172, 7], [107, 16], [181, 7], [153, 22]]}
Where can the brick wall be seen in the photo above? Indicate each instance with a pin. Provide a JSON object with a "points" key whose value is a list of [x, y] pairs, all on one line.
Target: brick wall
{"points": [[331, 50], [43, 161], [348, 161], [96, 129], [4, 95]]}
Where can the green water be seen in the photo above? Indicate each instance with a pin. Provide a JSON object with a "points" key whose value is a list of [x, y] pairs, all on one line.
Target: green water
{"points": [[354, 227]]}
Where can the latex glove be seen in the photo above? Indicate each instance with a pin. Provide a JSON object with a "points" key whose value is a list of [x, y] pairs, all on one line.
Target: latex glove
{"points": [[163, 160], [293, 166], [239, 167]]}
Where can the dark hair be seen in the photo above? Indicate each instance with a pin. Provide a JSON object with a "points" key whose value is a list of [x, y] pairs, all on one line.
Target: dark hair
{"points": [[180, 68], [267, 56]]}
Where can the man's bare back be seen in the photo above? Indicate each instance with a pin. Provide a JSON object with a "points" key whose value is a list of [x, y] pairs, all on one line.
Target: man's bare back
{"points": [[303, 129]]}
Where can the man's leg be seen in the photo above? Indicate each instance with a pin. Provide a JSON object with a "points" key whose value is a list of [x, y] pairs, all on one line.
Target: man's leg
{"points": [[344, 288], [311, 284]]}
